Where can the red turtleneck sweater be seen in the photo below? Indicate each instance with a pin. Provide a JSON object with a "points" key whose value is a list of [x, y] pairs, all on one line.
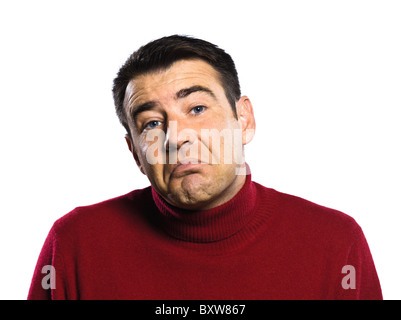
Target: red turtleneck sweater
{"points": [[262, 244]]}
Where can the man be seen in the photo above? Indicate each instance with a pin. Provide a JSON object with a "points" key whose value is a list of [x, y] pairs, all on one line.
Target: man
{"points": [[203, 229]]}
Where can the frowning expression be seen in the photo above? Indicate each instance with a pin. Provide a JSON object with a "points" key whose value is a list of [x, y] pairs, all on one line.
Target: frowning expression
{"points": [[171, 109]]}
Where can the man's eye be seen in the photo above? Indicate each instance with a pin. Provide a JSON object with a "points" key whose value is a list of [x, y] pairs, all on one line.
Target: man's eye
{"points": [[152, 124], [198, 109]]}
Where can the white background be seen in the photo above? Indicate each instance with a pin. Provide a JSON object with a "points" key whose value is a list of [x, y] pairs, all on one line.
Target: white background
{"points": [[324, 78]]}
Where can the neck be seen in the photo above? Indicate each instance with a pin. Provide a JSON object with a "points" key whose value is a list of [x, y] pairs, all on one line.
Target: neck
{"points": [[210, 224]]}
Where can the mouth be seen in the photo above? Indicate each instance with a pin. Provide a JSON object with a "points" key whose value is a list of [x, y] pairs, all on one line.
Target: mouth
{"points": [[189, 167]]}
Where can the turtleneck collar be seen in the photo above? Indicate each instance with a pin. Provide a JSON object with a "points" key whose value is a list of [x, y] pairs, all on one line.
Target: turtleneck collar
{"points": [[210, 225]]}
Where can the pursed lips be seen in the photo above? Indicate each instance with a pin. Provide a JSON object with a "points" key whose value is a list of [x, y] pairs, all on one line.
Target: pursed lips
{"points": [[186, 167]]}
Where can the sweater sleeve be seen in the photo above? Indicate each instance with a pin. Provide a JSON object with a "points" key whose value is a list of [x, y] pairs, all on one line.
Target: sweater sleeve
{"points": [[359, 280], [47, 281]]}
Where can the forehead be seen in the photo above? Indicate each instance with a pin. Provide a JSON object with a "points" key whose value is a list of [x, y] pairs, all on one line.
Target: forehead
{"points": [[164, 84]]}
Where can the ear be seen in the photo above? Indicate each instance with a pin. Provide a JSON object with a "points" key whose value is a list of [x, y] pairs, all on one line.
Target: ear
{"points": [[246, 119], [131, 148]]}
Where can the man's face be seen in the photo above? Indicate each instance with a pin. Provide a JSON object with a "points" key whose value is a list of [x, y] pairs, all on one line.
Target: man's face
{"points": [[180, 122]]}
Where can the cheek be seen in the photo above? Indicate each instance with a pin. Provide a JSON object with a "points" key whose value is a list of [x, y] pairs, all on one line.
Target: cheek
{"points": [[223, 140], [152, 159], [151, 148]]}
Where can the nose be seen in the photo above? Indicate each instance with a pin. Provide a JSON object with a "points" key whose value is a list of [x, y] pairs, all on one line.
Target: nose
{"points": [[175, 137]]}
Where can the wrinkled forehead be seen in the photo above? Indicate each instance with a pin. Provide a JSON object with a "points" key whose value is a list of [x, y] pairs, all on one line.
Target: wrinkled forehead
{"points": [[164, 84]]}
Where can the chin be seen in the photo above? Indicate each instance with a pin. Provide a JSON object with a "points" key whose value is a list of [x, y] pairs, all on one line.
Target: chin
{"points": [[189, 203], [192, 193]]}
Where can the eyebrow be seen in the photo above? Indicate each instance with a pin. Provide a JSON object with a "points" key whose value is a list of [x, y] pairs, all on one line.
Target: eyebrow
{"points": [[150, 105], [183, 93]]}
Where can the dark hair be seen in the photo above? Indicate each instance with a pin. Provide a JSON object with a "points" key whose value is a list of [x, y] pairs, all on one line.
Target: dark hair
{"points": [[160, 54]]}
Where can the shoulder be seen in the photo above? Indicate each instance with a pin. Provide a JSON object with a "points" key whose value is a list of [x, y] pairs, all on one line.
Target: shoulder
{"points": [[310, 210], [105, 214], [309, 220]]}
